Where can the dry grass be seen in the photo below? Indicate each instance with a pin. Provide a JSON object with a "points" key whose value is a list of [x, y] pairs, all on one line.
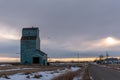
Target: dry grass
{"points": [[86, 74], [36, 68], [68, 75], [29, 71]]}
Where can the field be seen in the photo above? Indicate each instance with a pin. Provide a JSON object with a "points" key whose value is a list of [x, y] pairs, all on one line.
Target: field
{"points": [[56, 71]]}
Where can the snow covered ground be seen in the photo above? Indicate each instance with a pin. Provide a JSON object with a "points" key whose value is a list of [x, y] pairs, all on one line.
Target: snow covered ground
{"points": [[5, 65], [46, 75], [78, 78]]}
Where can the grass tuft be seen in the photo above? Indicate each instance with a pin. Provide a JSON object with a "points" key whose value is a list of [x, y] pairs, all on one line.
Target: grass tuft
{"points": [[68, 75], [86, 75]]}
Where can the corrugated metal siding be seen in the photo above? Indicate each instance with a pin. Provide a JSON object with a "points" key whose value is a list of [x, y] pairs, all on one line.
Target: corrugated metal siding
{"points": [[30, 47]]}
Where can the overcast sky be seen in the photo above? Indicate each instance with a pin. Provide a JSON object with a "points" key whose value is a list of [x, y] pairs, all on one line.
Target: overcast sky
{"points": [[67, 27]]}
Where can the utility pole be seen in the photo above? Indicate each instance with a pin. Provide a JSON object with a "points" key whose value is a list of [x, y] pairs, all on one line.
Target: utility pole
{"points": [[78, 57], [107, 55]]}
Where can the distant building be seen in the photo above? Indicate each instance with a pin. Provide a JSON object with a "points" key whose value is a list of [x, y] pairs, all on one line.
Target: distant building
{"points": [[109, 61], [30, 47]]}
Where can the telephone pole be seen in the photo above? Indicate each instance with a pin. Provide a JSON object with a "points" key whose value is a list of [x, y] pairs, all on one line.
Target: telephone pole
{"points": [[78, 57], [107, 55]]}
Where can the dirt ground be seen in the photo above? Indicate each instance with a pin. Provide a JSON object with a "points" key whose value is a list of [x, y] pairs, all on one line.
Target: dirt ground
{"points": [[27, 69]]}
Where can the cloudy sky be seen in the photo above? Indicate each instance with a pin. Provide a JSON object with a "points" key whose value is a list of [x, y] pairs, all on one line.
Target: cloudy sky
{"points": [[67, 27]]}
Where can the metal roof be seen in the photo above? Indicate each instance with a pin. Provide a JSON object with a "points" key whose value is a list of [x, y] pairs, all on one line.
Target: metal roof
{"points": [[41, 52], [32, 28]]}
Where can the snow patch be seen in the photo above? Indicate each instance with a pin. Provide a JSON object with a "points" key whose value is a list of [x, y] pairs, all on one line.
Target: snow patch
{"points": [[5, 65], [75, 68], [44, 75]]}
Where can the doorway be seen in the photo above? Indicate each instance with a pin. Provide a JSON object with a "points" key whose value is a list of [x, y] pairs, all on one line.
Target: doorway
{"points": [[36, 60]]}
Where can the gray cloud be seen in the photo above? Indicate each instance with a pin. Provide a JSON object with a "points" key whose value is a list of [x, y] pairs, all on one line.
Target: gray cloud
{"points": [[61, 22]]}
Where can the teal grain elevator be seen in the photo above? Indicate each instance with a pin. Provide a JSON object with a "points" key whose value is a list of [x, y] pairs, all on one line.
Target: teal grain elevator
{"points": [[30, 47]]}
